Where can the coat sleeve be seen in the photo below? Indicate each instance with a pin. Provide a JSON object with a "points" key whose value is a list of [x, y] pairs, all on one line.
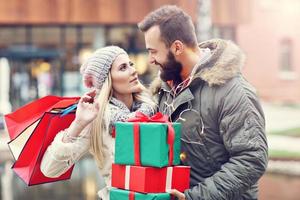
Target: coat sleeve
{"points": [[242, 129], [60, 156]]}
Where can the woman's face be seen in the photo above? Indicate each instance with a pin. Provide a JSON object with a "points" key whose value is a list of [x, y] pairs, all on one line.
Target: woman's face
{"points": [[124, 76]]}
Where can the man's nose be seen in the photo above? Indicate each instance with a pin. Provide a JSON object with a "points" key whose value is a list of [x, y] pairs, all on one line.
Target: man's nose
{"points": [[151, 60]]}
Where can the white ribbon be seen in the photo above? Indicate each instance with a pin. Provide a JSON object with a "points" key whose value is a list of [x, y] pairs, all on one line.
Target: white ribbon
{"points": [[127, 177], [169, 178]]}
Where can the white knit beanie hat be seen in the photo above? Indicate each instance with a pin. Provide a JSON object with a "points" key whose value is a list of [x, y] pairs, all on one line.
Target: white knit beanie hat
{"points": [[100, 62]]}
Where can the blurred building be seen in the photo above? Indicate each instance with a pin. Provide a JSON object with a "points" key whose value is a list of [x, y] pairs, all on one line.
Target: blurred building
{"points": [[271, 42], [46, 41], [268, 31]]}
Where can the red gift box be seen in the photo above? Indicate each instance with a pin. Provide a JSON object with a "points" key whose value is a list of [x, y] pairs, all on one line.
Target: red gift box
{"points": [[150, 179], [32, 129]]}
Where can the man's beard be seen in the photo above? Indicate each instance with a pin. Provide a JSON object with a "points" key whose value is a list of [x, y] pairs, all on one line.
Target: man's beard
{"points": [[171, 69]]}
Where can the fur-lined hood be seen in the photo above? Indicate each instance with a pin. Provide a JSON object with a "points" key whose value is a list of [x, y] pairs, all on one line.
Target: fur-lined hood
{"points": [[226, 61]]}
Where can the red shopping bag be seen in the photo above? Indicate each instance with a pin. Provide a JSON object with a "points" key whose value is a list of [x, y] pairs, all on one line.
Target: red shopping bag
{"points": [[25, 116], [29, 145]]}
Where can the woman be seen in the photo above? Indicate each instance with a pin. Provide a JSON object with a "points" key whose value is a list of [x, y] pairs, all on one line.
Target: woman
{"points": [[116, 94]]}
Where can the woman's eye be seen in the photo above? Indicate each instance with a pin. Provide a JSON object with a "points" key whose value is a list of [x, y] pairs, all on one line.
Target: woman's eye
{"points": [[123, 67]]}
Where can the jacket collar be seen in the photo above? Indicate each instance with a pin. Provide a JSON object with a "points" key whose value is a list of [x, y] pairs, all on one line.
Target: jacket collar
{"points": [[225, 62]]}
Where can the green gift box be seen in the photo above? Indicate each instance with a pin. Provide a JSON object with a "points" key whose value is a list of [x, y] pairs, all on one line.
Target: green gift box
{"points": [[116, 194], [149, 143]]}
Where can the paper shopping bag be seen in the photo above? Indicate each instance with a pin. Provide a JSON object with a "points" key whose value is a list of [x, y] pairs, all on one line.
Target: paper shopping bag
{"points": [[21, 123], [16, 122], [27, 166], [30, 136]]}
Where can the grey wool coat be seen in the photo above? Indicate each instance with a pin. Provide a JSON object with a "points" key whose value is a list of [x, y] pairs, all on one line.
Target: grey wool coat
{"points": [[223, 135]]}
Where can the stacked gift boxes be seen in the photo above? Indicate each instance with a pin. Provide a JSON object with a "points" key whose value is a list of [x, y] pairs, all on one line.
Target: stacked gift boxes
{"points": [[147, 157]]}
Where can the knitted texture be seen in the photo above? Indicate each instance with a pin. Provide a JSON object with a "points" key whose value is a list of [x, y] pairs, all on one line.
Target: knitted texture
{"points": [[100, 62]]}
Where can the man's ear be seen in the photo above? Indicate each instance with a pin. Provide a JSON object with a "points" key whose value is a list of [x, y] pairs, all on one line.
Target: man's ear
{"points": [[177, 47]]}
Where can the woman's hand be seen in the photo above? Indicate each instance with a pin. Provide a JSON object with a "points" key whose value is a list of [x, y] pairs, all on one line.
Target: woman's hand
{"points": [[87, 108]]}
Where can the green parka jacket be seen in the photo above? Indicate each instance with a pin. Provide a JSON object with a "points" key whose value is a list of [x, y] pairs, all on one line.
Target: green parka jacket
{"points": [[223, 126]]}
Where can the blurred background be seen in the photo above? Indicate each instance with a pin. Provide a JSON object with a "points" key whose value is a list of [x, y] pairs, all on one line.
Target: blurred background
{"points": [[44, 42]]}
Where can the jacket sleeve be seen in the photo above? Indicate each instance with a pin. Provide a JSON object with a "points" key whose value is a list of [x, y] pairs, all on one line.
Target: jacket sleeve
{"points": [[60, 156], [242, 129]]}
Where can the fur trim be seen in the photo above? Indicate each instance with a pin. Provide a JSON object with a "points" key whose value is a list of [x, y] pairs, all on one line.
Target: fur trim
{"points": [[155, 85], [226, 61]]}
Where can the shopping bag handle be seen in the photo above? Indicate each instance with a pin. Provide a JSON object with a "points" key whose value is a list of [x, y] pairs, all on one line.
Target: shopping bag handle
{"points": [[68, 110]]}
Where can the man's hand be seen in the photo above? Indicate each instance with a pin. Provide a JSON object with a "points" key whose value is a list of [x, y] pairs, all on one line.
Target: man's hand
{"points": [[177, 194]]}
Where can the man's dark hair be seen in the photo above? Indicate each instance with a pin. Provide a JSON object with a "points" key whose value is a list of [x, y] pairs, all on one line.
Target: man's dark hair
{"points": [[174, 24]]}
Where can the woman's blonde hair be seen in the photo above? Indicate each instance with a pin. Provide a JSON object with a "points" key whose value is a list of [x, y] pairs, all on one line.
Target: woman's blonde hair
{"points": [[101, 124]]}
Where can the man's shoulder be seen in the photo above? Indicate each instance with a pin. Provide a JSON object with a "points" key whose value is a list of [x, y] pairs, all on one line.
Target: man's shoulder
{"points": [[236, 87]]}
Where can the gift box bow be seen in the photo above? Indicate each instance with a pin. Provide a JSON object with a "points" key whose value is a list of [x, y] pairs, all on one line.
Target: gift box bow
{"points": [[157, 118], [141, 117]]}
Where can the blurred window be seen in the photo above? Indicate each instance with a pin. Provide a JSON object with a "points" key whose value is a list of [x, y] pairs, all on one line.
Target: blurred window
{"points": [[286, 67], [12, 36], [225, 32], [46, 36], [286, 55], [93, 37]]}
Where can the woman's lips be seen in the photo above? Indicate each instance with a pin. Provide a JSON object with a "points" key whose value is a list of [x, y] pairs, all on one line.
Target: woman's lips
{"points": [[135, 79]]}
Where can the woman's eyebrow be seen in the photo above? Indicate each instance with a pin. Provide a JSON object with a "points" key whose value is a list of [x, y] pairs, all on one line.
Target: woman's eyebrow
{"points": [[122, 64]]}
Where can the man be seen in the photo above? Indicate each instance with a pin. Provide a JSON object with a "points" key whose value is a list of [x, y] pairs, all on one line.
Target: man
{"points": [[201, 86]]}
